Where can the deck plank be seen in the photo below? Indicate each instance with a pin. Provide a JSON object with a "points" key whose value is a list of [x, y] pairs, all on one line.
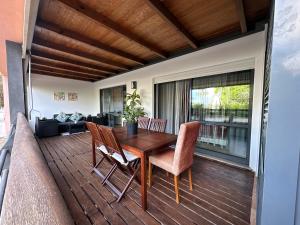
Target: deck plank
{"points": [[222, 194]]}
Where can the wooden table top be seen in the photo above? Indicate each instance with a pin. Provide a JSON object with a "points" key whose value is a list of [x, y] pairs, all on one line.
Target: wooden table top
{"points": [[144, 141]]}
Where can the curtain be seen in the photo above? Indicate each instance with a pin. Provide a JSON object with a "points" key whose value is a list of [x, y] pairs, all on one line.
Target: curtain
{"points": [[173, 103], [106, 98], [117, 99], [112, 99], [165, 94], [182, 103]]}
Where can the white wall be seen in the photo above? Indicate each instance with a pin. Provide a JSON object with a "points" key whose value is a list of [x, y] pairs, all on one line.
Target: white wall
{"points": [[43, 96], [244, 53]]}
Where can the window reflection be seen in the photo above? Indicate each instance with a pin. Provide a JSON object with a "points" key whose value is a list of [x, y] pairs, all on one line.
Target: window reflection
{"points": [[224, 114]]}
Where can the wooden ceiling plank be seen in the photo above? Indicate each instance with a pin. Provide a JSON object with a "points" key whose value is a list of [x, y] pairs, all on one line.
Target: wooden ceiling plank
{"points": [[76, 52], [42, 65], [239, 4], [47, 73], [163, 11], [35, 52], [96, 44], [56, 70], [109, 24], [55, 64]]}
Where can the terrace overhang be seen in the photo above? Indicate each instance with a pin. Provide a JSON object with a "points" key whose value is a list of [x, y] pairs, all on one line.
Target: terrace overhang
{"points": [[93, 40]]}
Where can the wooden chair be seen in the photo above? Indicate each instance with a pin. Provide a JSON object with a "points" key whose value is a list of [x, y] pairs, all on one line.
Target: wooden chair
{"points": [[124, 160], [143, 122], [98, 144], [181, 159], [158, 125]]}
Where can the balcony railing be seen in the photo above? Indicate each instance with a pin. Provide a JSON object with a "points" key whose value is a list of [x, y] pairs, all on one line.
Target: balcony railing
{"points": [[31, 195]]}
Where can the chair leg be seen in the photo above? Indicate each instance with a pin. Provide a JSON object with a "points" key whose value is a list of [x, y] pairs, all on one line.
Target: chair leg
{"points": [[132, 171], [110, 172], [190, 179], [128, 184], [97, 164], [176, 188], [150, 175]]}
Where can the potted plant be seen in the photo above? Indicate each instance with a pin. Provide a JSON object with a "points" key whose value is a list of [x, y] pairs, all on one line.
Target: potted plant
{"points": [[133, 110]]}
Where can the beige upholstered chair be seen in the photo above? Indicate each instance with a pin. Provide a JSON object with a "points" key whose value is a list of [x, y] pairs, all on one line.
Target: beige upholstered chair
{"points": [[181, 159]]}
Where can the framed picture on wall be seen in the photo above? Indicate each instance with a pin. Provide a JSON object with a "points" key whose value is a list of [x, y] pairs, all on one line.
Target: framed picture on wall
{"points": [[72, 96], [59, 96]]}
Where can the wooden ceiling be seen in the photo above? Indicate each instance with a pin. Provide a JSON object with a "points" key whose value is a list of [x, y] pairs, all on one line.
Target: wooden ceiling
{"points": [[91, 40]]}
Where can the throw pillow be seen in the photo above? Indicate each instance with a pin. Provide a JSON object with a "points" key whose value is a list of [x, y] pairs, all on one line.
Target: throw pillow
{"points": [[76, 117], [62, 117]]}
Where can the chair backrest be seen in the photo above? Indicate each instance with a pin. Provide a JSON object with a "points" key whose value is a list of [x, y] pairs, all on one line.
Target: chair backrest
{"points": [[158, 125], [143, 122], [97, 136], [185, 146], [111, 142]]}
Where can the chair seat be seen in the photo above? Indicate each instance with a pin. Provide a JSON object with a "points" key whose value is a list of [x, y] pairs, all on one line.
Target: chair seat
{"points": [[103, 149], [164, 160], [129, 156]]}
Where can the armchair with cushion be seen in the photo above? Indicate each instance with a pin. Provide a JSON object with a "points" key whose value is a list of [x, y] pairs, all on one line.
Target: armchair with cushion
{"points": [[101, 119], [46, 127]]}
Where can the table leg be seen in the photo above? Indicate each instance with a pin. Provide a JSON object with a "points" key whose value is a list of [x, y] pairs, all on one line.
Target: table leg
{"points": [[144, 182]]}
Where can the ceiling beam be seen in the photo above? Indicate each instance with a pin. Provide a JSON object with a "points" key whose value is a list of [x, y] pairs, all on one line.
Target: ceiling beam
{"points": [[241, 13], [47, 73], [111, 25], [39, 53], [168, 17], [46, 66], [63, 71], [96, 44], [59, 65], [72, 51]]}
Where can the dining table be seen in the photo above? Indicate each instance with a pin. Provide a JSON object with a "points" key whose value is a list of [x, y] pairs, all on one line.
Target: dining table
{"points": [[143, 144]]}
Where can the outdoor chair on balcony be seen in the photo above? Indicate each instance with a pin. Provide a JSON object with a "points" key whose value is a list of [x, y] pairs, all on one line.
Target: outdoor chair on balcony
{"points": [[181, 159], [158, 125], [124, 160], [98, 144], [143, 122]]}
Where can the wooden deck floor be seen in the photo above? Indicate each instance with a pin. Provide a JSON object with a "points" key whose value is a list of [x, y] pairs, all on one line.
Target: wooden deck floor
{"points": [[221, 195]]}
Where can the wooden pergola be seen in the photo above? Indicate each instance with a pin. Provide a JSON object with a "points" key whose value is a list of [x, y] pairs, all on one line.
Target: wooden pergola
{"points": [[92, 40]]}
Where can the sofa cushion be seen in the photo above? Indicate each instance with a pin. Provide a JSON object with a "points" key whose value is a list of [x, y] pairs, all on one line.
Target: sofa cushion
{"points": [[76, 117], [62, 117]]}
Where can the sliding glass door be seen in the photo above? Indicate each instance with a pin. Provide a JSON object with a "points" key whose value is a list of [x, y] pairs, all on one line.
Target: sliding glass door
{"points": [[112, 102], [222, 104]]}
